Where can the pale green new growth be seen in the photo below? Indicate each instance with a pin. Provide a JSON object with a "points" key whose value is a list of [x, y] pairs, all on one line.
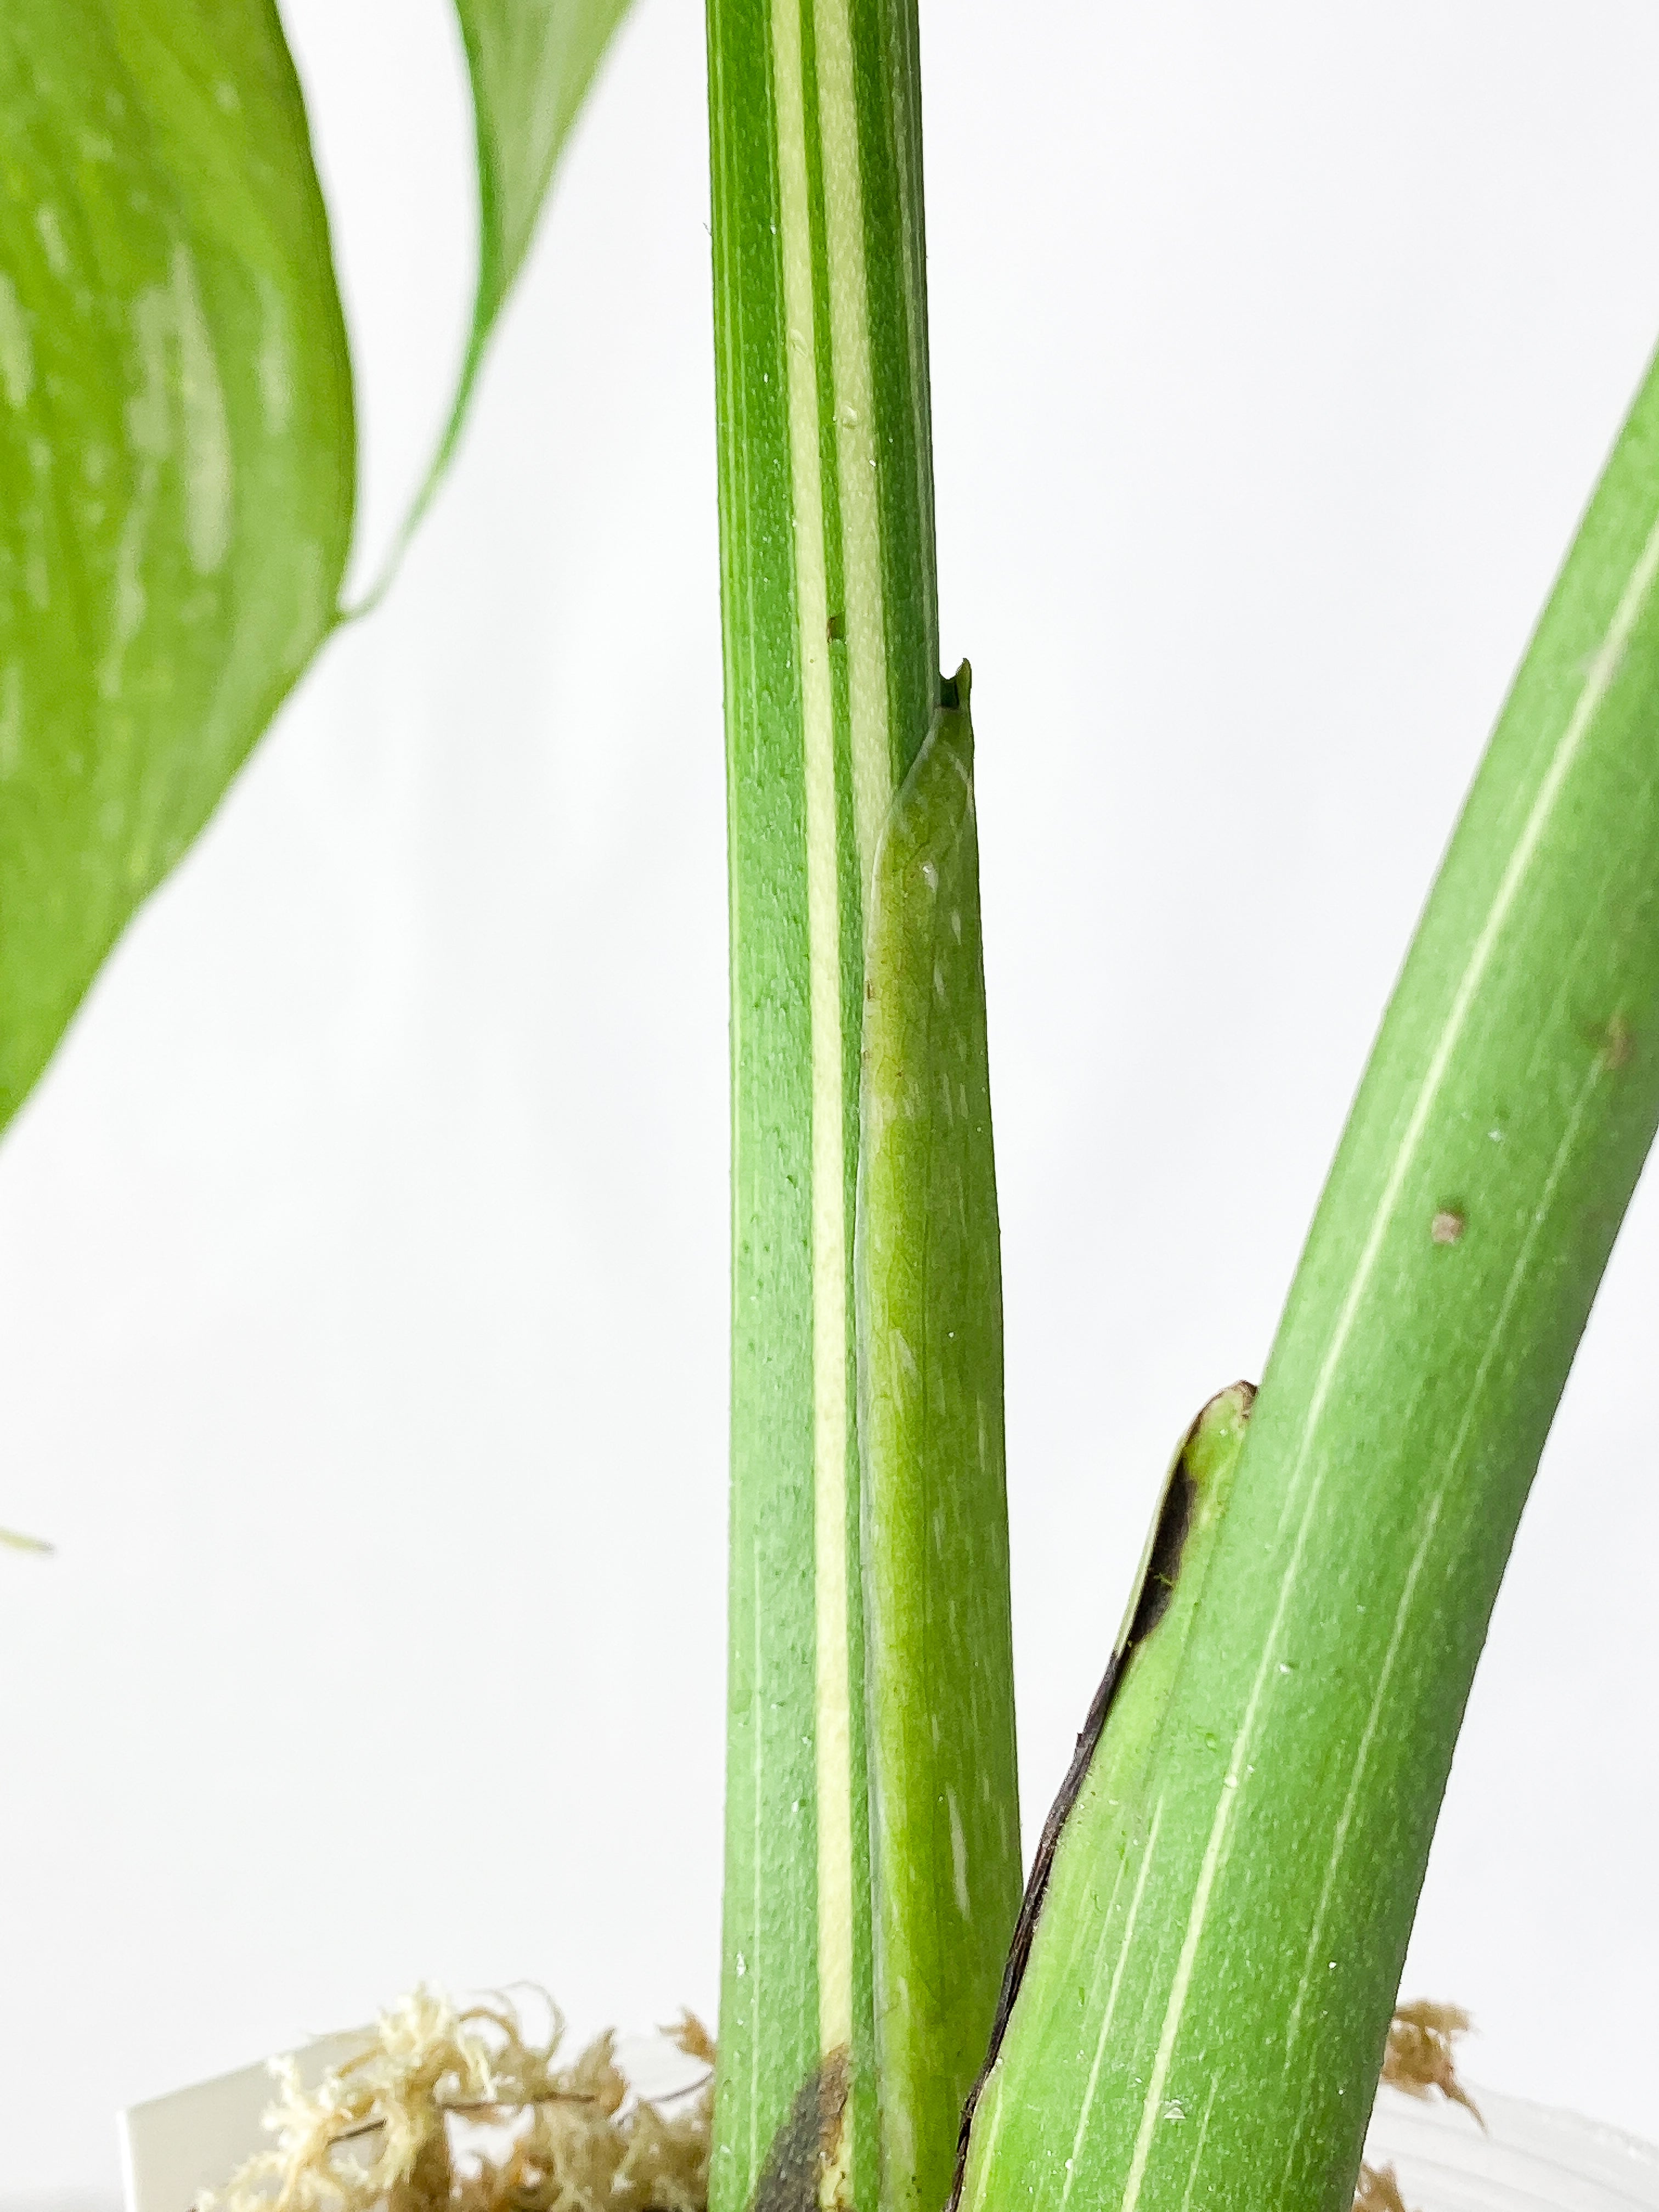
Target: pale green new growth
{"points": [[943, 1800]]}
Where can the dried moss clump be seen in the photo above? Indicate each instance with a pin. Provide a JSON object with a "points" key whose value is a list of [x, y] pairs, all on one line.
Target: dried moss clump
{"points": [[1417, 2059], [1378, 2191], [456, 2111]]}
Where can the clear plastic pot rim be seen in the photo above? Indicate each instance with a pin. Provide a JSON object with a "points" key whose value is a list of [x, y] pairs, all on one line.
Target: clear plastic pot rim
{"points": [[1527, 2157]]}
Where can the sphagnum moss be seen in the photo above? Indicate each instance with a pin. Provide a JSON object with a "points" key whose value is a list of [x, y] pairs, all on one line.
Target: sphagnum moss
{"points": [[572, 2138], [385, 2131]]}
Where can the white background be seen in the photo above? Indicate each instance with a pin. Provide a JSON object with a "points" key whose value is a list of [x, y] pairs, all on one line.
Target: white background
{"points": [[363, 1255]]}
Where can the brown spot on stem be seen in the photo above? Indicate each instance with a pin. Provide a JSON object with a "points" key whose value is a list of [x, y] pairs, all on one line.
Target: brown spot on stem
{"points": [[1447, 1225], [835, 628], [1617, 1043], [807, 2149]]}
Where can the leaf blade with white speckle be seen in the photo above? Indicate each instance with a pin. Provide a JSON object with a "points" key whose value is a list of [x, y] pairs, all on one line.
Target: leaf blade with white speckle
{"points": [[176, 459]]}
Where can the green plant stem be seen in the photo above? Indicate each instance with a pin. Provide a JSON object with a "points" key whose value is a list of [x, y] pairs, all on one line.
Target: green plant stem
{"points": [[1086, 1834], [945, 1829], [831, 687], [1218, 2040]]}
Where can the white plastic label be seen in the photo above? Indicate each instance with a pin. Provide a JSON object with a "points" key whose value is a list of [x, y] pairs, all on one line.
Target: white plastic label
{"points": [[173, 2148]]}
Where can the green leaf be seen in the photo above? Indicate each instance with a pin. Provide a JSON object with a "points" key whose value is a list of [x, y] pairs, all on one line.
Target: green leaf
{"points": [[531, 63], [176, 458], [177, 446]]}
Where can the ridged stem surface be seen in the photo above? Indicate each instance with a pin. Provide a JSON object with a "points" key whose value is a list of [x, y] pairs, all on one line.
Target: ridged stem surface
{"points": [[831, 689], [1238, 1954]]}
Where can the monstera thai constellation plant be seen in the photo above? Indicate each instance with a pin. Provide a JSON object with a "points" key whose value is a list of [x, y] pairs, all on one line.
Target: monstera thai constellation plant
{"points": [[1190, 2005]]}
